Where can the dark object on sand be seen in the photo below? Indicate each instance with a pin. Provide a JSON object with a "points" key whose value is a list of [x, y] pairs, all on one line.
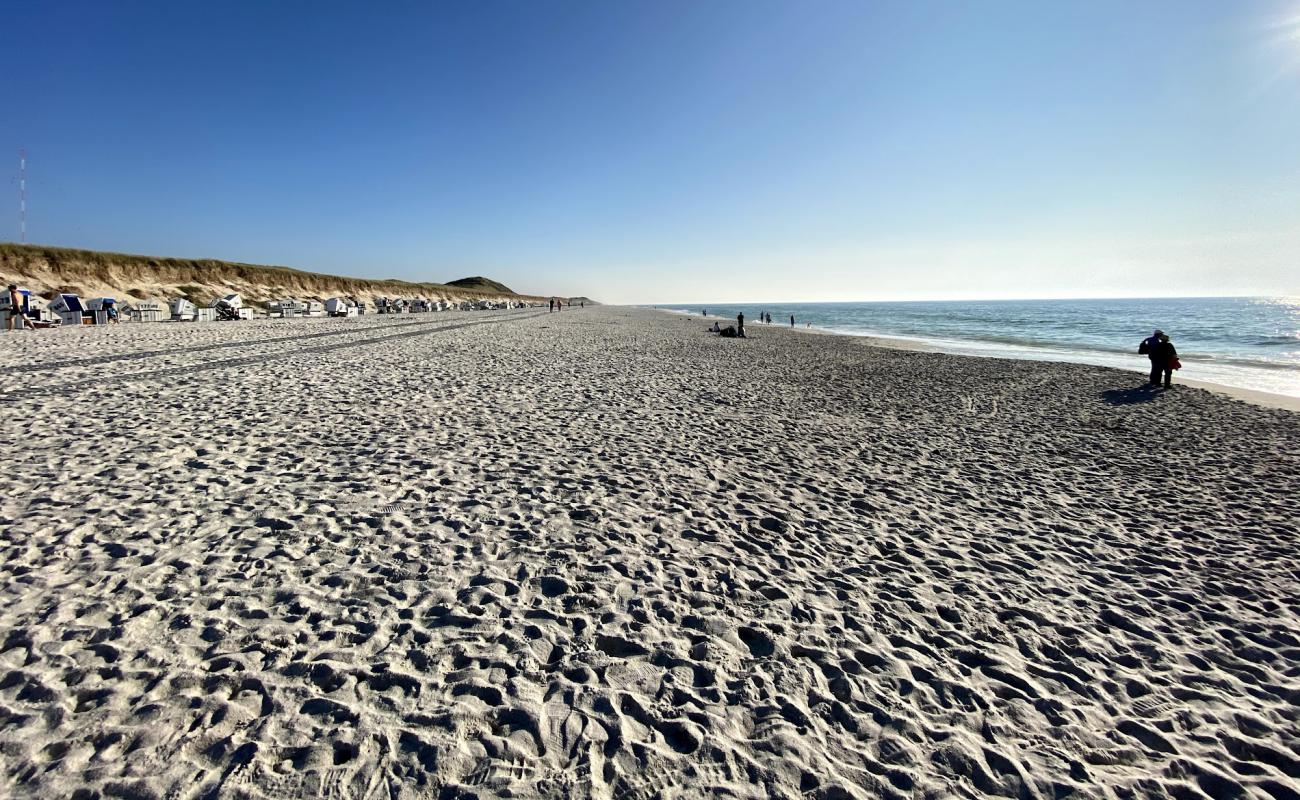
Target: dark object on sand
{"points": [[728, 332]]}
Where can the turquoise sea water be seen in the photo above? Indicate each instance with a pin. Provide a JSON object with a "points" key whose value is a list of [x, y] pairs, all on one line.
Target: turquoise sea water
{"points": [[1253, 343]]}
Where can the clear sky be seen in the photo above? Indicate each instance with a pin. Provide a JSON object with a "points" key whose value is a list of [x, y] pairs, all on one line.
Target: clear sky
{"points": [[675, 151]]}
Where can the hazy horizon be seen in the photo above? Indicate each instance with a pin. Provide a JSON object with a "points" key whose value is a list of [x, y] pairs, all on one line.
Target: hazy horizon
{"points": [[843, 152], [707, 303]]}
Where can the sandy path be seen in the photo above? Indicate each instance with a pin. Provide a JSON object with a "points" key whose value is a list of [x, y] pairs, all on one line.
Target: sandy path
{"points": [[599, 553]]}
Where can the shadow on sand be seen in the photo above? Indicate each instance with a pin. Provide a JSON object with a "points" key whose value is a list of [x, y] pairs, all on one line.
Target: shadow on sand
{"points": [[1127, 397]]}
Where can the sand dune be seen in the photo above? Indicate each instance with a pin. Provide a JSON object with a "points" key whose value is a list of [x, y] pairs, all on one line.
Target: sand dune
{"points": [[94, 273], [602, 553]]}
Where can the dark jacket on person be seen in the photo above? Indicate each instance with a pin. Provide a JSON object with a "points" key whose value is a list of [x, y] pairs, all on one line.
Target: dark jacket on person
{"points": [[1162, 353]]}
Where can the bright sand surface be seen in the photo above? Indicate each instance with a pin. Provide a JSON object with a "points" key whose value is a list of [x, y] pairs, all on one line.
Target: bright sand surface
{"points": [[603, 553]]}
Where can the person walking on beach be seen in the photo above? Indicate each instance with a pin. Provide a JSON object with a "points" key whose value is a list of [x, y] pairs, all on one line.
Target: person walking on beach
{"points": [[16, 309]]}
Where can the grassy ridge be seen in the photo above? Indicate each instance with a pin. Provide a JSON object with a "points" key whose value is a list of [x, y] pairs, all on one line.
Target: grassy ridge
{"points": [[49, 269], [479, 283]]}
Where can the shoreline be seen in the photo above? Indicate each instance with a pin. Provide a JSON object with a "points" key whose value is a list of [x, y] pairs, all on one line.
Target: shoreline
{"points": [[1257, 397]]}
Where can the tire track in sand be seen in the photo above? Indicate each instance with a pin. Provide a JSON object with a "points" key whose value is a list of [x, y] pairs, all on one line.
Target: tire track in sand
{"points": [[100, 382]]}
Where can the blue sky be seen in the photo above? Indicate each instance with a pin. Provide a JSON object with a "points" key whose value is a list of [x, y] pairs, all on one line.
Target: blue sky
{"points": [[675, 151]]}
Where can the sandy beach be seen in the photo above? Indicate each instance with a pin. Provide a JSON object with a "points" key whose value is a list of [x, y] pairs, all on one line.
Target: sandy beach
{"points": [[601, 553]]}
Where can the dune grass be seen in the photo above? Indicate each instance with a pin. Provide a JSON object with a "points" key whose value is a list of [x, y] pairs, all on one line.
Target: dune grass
{"points": [[69, 266]]}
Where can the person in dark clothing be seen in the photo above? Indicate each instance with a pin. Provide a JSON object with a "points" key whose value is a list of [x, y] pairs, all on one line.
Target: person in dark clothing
{"points": [[1148, 349], [740, 325], [792, 320], [16, 309], [1163, 355]]}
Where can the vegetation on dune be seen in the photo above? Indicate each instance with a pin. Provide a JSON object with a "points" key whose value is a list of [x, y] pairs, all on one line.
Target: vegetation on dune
{"points": [[46, 268], [481, 284]]}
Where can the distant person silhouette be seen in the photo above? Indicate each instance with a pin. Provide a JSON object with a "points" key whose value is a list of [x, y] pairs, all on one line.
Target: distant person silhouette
{"points": [[792, 320], [1150, 348], [1164, 360], [740, 325]]}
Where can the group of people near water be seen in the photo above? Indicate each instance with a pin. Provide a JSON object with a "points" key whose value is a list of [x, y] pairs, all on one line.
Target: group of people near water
{"points": [[1163, 355], [740, 322], [1156, 347]]}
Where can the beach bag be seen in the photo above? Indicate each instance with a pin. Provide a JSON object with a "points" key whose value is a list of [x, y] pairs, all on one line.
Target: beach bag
{"points": [[1174, 363]]}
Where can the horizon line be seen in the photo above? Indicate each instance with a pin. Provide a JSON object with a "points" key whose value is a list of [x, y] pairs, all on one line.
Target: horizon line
{"points": [[1282, 296]]}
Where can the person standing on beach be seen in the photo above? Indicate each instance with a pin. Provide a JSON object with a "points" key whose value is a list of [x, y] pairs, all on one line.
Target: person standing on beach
{"points": [[1148, 349], [16, 309], [1163, 359], [792, 320], [551, 309], [740, 325]]}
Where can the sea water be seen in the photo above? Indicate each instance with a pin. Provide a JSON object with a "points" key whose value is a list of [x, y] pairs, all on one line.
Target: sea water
{"points": [[1247, 342]]}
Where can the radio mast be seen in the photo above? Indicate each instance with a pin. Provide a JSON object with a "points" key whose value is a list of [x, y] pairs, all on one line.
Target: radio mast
{"points": [[22, 196]]}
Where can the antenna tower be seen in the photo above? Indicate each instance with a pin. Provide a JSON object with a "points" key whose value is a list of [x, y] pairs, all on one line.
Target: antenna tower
{"points": [[22, 196]]}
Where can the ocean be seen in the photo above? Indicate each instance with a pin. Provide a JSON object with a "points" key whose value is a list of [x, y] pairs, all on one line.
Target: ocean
{"points": [[1247, 342]]}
